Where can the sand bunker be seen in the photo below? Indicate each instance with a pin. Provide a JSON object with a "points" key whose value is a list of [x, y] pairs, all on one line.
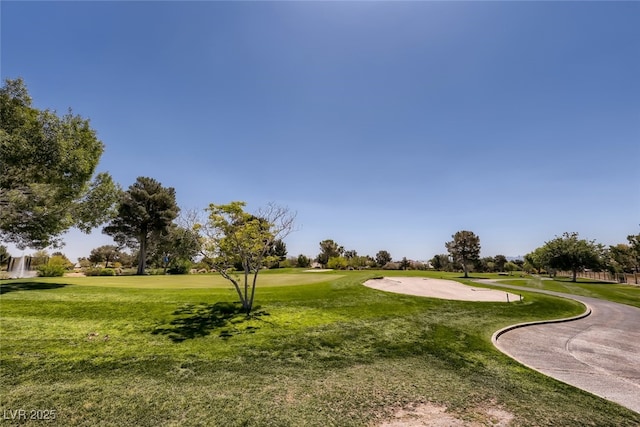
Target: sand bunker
{"points": [[439, 288]]}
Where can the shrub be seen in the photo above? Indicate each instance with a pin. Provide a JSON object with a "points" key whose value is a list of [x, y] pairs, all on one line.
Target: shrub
{"points": [[337, 263], [100, 272], [201, 265], [511, 267], [417, 265], [62, 261], [391, 266], [51, 270], [303, 261], [91, 271], [290, 262], [180, 267], [127, 272], [84, 263]]}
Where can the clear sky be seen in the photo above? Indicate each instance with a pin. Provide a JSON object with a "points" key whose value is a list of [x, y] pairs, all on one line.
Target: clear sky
{"points": [[385, 125]]}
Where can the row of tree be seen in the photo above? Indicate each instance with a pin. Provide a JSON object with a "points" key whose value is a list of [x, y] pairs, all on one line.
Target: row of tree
{"points": [[333, 255], [563, 253], [48, 184], [571, 253]]}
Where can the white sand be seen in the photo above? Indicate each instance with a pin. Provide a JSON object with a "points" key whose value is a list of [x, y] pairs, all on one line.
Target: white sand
{"points": [[439, 288]]}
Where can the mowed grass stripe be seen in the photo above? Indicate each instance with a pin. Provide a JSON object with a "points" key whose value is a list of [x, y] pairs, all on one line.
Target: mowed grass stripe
{"points": [[191, 281]]}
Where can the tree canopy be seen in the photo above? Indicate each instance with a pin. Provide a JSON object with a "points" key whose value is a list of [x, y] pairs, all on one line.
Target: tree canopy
{"points": [[329, 249], [441, 262], [303, 261], [146, 210], [464, 248], [634, 249], [105, 253], [47, 163], [500, 262], [179, 246], [234, 236], [278, 251], [568, 252], [382, 258]]}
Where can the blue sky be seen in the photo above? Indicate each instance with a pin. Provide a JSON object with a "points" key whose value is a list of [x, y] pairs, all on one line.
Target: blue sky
{"points": [[385, 125]]}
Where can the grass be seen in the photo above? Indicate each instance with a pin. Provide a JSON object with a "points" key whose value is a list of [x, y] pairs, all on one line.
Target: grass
{"points": [[203, 281], [325, 352], [621, 293]]}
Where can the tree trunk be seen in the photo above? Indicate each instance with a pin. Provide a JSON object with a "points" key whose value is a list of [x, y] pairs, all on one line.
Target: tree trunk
{"points": [[246, 304], [253, 290], [574, 277], [235, 284], [142, 255]]}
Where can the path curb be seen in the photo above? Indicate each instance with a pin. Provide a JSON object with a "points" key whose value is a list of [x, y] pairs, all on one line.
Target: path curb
{"points": [[497, 334]]}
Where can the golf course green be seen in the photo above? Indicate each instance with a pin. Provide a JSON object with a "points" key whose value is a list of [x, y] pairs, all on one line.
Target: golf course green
{"points": [[319, 349]]}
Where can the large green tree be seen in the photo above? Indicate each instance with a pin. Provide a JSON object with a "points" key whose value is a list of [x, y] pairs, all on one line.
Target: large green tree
{"points": [[106, 254], [146, 211], [234, 237], [47, 166], [569, 252], [303, 261], [178, 246], [439, 262], [329, 249], [279, 252], [500, 262], [464, 248], [535, 260], [383, 257]]}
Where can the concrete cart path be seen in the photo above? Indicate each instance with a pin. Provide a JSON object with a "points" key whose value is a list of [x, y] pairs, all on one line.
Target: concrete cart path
{"points": [[599, 353]]}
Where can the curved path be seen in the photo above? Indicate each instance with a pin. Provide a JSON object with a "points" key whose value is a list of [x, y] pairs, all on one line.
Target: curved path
{"points": [[599, 353]]}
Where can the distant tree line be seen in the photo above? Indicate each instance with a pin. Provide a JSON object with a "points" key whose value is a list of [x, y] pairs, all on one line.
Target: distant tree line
{"points": [[48, 184]]}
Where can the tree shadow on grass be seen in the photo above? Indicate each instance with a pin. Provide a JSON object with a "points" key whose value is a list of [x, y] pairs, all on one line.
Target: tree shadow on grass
{"points": [[199, 320], [28, 286]]}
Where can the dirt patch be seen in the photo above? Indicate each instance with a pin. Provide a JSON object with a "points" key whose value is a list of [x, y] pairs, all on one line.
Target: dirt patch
{"points": [[425, 414], [432, 415], [498, 416]]}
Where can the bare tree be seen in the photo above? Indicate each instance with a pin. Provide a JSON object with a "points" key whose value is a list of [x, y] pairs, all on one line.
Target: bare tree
{"points": [[235, 237]]}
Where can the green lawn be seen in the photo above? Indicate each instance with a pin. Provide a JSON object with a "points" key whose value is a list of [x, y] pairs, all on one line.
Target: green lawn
{"points": [[191, 281], [328, 351], [621, 293]]}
